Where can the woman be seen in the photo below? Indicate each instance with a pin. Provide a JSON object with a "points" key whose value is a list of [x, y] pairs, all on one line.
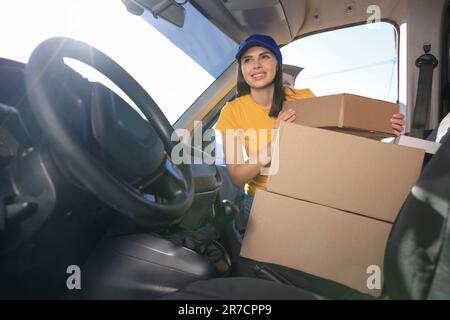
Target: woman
{"points": [[257, 111]]}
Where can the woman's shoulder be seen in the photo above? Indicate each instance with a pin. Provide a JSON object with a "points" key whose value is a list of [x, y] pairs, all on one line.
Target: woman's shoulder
{"points": [[231, 115], [236, 105], [295, 94]]}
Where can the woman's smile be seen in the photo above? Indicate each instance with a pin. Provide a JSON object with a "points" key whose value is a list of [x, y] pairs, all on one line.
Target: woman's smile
{"points": [[259, 75]]}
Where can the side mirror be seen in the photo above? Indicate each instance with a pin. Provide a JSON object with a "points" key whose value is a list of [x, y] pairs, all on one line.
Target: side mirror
{"points": [[169, 10]]}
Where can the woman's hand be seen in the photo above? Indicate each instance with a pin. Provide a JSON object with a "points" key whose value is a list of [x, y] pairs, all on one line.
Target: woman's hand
{"points": [[397, 123], [286, 116]]}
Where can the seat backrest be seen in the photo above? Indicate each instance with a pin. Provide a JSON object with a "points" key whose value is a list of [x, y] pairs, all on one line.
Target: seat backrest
{"points": [[290, 74], [417, 261]]}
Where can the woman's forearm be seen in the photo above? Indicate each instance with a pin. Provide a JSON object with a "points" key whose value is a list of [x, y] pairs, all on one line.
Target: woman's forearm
{"points": [[242, 173]]}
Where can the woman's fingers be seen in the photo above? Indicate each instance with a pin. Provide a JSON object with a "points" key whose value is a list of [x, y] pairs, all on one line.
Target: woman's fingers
{"points": [[288, 119], [286, 112], [398, 116], [397, 121], [291, 118], [398, 129], [286, 115]]}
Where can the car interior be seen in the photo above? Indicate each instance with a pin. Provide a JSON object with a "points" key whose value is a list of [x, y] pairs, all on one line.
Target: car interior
{"points": [[87, 181]]}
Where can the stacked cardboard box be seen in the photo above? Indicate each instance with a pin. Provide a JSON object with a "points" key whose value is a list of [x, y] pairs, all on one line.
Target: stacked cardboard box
{"points": [[346, 113], [330, 205]]}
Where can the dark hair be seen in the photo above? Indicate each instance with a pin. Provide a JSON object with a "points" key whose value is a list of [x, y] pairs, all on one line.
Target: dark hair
{"points": [[278, 96]]}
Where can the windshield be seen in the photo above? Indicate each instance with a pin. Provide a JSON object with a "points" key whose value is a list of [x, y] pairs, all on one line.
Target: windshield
{"points": [[174, 65]]}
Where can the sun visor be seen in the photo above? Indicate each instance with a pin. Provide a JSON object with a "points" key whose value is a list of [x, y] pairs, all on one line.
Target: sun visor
{"points": [[281, 19]]}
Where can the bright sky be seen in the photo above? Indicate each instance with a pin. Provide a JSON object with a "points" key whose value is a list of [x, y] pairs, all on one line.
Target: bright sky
{"points": [[360, 60], [172, 78]]}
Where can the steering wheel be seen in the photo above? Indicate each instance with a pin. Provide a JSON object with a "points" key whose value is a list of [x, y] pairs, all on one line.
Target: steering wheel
{"points": [[120, 157]]}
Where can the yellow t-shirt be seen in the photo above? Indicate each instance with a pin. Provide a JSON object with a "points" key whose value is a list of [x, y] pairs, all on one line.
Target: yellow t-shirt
{"points": [[245, 114]]}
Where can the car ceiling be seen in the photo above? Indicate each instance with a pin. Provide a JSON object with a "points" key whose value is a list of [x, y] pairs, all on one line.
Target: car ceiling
{"points": [[288, 19]]}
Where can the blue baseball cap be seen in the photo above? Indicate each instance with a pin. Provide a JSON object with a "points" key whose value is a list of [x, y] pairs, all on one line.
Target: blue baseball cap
{"points": [[259, 40]]}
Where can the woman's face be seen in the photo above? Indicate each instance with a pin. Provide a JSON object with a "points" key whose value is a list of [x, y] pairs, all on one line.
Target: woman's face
{"points": [[258, 66]]}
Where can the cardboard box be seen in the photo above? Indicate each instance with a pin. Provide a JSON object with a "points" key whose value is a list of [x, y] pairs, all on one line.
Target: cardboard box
{"points": [[342, 171], [430, 147], [315, 239], [346, 113]]}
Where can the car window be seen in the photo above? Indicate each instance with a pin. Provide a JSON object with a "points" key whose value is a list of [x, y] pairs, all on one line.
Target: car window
{"points": [[174, 65], [359, 60]]}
